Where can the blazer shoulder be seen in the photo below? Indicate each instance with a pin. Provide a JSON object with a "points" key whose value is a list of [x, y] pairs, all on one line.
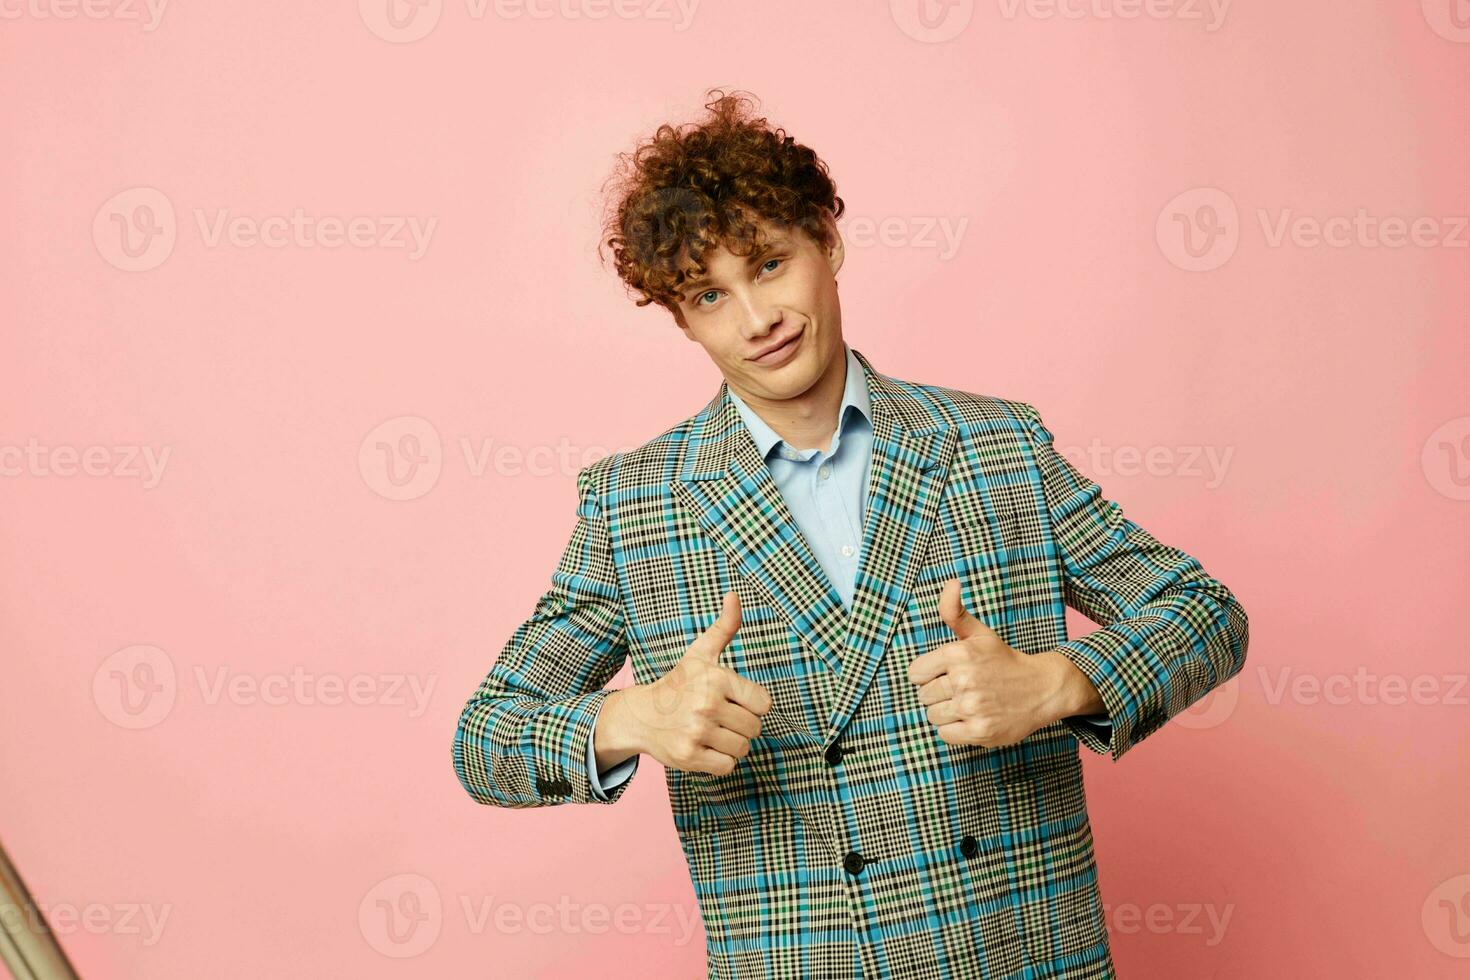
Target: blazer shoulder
{"points": [[954, 406], [640, 465]]}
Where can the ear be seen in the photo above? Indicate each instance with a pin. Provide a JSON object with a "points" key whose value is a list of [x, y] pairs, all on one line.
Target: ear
{"points": [[679, 321], [836, 253]]}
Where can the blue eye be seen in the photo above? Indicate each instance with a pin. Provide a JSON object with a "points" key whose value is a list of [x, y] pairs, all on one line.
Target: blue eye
{"points": [[699, 300]]}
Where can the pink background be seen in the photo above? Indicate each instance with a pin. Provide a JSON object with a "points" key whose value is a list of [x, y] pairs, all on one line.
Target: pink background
{"points": [[1306, 820]]}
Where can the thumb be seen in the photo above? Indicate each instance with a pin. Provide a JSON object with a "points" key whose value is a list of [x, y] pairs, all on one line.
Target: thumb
{"points": [[955, 616], [707, 645]]}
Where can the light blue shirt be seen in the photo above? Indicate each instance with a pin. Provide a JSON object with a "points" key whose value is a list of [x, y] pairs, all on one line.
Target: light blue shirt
{"points": [[825, 491], [826, 494]]}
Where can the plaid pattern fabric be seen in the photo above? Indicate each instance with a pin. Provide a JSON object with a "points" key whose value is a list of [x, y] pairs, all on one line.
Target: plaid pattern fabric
{"points": [[852, 842]]}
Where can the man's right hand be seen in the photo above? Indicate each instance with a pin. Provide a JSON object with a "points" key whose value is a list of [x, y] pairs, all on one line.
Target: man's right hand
{"points": [[698, 717]]}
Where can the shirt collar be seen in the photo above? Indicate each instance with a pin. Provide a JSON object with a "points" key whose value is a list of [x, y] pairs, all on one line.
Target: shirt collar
{"points": [[854, 396]]}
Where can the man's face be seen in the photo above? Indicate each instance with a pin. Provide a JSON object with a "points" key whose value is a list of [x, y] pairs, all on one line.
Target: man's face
{"points": [[770, 321]]}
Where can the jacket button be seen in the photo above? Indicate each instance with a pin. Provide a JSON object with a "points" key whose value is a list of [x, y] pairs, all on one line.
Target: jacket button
{"points": [[834, 754], [853, 863], [969, 847]]}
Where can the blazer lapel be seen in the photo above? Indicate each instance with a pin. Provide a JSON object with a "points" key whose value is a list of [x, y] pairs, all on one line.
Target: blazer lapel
{"points": [[911, 459], [727, 488]]}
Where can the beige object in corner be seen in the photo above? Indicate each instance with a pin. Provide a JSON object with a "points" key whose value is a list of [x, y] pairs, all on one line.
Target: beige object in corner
{"points": [[26, 944]]}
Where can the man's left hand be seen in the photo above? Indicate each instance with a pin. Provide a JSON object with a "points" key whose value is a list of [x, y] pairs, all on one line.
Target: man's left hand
{"points": [[982, 691]]}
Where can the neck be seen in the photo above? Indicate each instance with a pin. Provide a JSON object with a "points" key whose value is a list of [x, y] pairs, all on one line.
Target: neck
{"points": [[808, 420]]}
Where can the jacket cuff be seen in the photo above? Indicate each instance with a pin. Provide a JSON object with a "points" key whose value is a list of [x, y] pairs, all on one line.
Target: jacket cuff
{"points": [[550, 766], [604, 786], [1096, 655]]}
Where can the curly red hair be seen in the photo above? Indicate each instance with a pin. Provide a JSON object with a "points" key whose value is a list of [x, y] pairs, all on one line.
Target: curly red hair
{"points": [[695, 187]]}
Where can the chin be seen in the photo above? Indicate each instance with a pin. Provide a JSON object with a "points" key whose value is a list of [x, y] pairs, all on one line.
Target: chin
{"points": [[790, 380]]}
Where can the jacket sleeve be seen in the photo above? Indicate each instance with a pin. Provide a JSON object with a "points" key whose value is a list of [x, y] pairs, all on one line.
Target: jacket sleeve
{"points": [[1170, 634], [523, 738]]}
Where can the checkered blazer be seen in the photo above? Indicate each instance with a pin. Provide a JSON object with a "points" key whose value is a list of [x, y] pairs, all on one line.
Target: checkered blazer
{"points": [[852, 841]]}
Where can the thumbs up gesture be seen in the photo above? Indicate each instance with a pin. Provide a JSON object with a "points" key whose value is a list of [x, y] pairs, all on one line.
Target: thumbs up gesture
{"points": [[701, 715], [979, 689]]}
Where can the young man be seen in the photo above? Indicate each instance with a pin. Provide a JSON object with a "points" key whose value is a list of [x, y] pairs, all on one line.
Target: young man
{"points": [[843, 596]]}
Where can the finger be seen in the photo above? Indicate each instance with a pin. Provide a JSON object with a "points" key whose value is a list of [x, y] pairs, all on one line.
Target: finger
{"points": [[957, 733], [748, 694], [712, 762], [956, 617], [927, 666], [943, 713], [738, 719], [953, 612], [708, 645], [939, 689], [730, 743]]}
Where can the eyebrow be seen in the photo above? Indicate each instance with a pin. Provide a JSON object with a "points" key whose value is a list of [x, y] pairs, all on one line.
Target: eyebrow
{"points": [[698, 285]]}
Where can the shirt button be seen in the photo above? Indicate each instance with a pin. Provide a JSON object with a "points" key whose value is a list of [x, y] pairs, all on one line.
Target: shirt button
{"points": [[969, 847], [834, 754], [847, 551], [824, 472], [853, 863]]}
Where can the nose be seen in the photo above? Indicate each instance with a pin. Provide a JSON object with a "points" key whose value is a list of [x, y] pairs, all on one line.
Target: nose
{"points": [[758, 318]]}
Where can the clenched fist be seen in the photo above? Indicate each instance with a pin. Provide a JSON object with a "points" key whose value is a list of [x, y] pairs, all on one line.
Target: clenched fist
{"points": [[698, 717], [982, 691]]}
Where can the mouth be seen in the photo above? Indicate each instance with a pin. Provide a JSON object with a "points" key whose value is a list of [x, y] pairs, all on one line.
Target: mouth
{"points": [[782, 352]]}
